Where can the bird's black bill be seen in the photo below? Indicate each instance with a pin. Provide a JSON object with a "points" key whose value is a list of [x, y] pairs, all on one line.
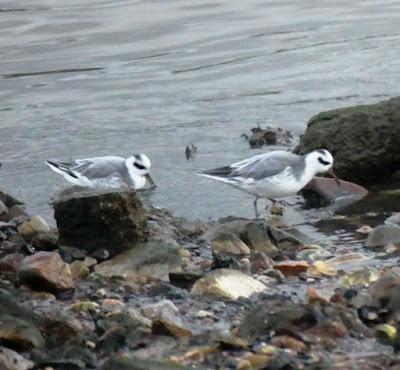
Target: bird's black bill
{"points": [[150, 180], [331, 173]]}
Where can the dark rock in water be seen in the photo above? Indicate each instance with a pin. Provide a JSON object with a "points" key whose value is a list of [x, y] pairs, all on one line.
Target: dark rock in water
{"points": [[364, 139], [92, 220], [268, 136], [382, 235], [19, 334], [46, 271], [154, 259], [132, 363]]}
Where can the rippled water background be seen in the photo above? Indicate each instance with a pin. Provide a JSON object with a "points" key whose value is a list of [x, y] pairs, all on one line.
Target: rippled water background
{"points": [[88, 78]]}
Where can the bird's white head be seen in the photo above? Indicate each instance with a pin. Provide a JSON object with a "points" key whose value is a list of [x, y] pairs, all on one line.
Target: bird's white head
{"points": [[320, 160], [139, 164]]}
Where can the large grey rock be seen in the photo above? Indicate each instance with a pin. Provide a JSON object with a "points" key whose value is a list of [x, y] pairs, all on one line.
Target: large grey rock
{"points": [[91, 220], [153, 259], [364, 139], [383, 235]]}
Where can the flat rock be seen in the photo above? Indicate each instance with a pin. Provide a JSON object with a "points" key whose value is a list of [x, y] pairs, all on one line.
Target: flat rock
{"points": [[154, 259], [227, 283], [364, 139], [134, 363], [382, 235], [11, 360], [115, 221], [46, 271]]}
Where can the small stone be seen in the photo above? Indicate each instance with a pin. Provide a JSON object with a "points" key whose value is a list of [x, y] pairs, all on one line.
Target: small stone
{"points": [[288, 342], [394, 219], [360, 277], [201, 314], [292, 268], [86, 306], [70, 254], [3, 211], [79, 270], [364, 229], [382, 235], [321, 268], [259, 239], [45, 241], [386, 333], [17, 213], [227, 283], [101, 254], [346, 261], [319, 295], [11, 360], [312, 252], [230, 243], [46, 271], [33, 226], [166, 319]]}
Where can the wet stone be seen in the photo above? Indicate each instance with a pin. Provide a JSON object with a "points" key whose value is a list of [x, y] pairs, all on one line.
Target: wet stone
{"points": [[229, 243], [132, 363], [383, 235], [46, 271], [70, 254], [45, 241]]}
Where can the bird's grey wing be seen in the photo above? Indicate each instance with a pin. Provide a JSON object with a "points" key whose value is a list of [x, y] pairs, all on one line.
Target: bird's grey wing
{"points": [[266, 165], [97, 168]]}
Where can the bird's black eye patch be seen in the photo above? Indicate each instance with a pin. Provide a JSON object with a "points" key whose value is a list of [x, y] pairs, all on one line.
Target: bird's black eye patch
{"points": [[139, 166], [325, 163]]}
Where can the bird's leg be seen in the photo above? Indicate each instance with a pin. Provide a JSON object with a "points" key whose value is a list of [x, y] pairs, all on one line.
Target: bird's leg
{"points": [[255, 207]]}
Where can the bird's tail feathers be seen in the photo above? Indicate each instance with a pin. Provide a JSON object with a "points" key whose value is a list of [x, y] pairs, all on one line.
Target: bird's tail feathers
{"points": [[65, 171]]}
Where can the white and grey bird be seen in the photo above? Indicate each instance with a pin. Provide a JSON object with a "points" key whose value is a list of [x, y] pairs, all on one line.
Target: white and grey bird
{"points": [[274, 174], [106, 172]]}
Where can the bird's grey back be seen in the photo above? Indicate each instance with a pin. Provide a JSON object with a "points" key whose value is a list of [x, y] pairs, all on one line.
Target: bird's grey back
{"points": [[101, 167], [269, 164]]}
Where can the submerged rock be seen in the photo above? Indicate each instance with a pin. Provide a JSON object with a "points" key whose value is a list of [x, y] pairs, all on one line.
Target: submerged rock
{"points": [[227, 283], [382, 235], [46, 271], [153, 259], [364, 139], [91, 220]]}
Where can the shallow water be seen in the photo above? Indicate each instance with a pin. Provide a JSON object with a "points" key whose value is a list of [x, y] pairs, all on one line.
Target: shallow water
{"points": [[114, 77]]}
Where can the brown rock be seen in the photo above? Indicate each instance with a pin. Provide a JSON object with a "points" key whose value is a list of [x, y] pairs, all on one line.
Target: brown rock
{"points": [[46, 271], [292, 268], [287, 341], [229, 243], [115, 221], [33, 226], [11, 263]]}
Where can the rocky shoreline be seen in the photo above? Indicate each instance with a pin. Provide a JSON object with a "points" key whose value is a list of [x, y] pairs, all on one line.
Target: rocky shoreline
{"points": [[120, 285], [177, 294]]}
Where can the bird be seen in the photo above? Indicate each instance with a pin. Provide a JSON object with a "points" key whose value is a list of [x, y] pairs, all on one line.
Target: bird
{"points": [[274, 174], [106, 171]]}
